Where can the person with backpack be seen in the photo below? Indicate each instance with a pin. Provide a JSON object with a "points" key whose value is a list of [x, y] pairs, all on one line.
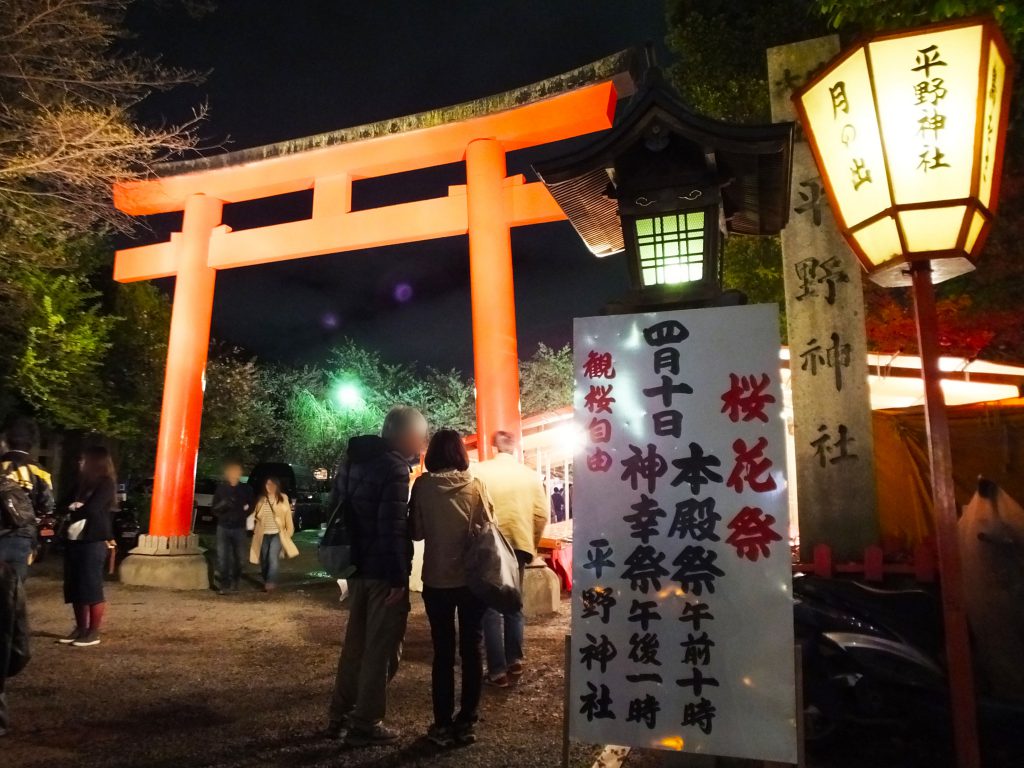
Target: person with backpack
{"points": [[89, 534], [371, 491], [446, 502], [14, 649], [26, 493]]}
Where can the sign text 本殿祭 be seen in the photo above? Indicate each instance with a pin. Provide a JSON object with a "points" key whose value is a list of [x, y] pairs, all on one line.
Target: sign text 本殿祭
{"points": [[682, 632]]}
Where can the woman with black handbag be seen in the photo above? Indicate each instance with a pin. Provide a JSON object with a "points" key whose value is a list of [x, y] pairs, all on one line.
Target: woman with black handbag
{"points": [[445, 504], [88, 535]]}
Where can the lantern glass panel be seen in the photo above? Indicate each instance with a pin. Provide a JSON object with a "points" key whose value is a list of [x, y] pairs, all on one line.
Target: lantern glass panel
{"points": [[849, 146], [927, 92], [879, 241], [977, 222], [671, 248], [994, 86], [932, 229]]}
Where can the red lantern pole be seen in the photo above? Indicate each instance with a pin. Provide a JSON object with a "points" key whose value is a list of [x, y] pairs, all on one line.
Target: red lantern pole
{"points": [[958, 643]]}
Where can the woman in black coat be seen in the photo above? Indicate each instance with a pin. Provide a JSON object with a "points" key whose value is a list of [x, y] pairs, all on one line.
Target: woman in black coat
{"points": [[90, 525]]}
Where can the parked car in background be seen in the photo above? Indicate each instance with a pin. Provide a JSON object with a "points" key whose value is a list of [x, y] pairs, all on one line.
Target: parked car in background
{"points": [[205, 487], [305, 493]]}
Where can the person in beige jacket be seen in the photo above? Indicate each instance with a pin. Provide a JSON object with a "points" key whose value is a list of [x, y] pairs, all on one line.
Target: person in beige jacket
{"points": [[272, 536], [521, 510], [445, 502]]}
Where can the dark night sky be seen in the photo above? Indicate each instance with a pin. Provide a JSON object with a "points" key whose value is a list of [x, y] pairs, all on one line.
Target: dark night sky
{"points": [[285, 69]]}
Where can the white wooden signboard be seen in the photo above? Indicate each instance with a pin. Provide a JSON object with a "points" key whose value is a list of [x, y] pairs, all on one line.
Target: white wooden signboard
{"points": [[682, 634]]}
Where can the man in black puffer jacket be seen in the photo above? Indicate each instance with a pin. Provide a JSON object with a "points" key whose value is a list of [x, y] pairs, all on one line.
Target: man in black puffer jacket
{"points": [[374, 478]]}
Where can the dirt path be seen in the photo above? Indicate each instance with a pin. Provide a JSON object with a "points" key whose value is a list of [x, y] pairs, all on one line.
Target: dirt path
{"points": [[195, 679]]}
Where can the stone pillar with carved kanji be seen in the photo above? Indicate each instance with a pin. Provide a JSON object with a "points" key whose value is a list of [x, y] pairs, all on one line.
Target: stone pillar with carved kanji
{"points": [[831, 411]]}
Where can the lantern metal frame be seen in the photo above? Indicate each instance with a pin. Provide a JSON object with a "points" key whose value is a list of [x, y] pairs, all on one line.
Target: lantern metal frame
{"points": [[948, 263]]}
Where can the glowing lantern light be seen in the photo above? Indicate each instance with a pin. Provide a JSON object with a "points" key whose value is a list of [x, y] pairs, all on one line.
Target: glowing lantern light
{"points": [[908, 131]]}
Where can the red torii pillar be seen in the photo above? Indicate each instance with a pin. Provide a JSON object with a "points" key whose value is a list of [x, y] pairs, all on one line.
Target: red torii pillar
{"points": [[486, 208]]}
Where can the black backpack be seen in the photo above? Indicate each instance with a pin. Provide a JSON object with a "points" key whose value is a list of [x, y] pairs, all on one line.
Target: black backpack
{"points": [[336, 551], [16, 510]]}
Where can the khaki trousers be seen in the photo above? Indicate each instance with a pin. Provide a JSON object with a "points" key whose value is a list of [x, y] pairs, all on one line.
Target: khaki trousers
{"points": [[370, 654]]}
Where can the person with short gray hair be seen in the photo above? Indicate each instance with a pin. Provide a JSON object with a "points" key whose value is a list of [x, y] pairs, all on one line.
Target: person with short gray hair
{"points": [[371, 487]]}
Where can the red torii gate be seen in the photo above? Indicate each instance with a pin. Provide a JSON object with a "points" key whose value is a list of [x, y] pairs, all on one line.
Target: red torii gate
{"points": [[485, 208]]}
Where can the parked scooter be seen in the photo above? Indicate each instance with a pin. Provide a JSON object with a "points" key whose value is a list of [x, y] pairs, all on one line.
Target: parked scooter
{"points": [[874, 657], [46, 536]]}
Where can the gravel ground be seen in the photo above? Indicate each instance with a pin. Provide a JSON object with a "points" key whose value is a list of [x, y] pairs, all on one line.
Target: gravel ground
{"points": [[195, 679], [187, 679]]}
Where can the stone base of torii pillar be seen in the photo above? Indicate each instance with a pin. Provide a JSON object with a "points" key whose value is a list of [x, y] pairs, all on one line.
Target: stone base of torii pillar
{"points": [[170, 562]]}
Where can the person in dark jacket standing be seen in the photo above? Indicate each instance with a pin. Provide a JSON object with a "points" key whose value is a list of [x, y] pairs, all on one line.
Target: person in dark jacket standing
{"points": [[232, 504], [85, 556], [14, 652], [374, 479], [16, 543]]}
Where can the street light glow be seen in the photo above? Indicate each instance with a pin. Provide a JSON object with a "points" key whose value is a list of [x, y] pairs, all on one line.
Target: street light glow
{"points": [[349, 396]]}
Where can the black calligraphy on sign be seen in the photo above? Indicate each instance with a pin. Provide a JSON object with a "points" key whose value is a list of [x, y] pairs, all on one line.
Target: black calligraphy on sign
{"points": [[696, 469], [597, 703], [814, 275], [695, 519], [697, 570], [644, 612], [644, 569], [929, 93], [599, 652], [599, 602], [860, 172], [644, 711], [812, 198], [836, 357], [599, 557], [644, 521], [832, 449], [647, 466]]}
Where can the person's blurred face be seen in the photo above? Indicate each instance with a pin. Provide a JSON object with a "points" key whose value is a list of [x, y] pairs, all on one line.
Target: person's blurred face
{"points": [[271, 487], [233, 473], [414, 440]]}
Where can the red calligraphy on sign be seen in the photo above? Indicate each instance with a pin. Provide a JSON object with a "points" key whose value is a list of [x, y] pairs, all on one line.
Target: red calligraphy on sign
{"points": [[600, 430], [599, 366], [599, 399], [752, 533], [599, 461], [746, 398], [752, 467]]}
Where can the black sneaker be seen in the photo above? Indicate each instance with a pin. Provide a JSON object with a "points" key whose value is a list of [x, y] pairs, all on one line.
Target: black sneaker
{"points": [[87, 640], [441, 736], [465, 734], [377, 736], [335, 729], [71, 636]]}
